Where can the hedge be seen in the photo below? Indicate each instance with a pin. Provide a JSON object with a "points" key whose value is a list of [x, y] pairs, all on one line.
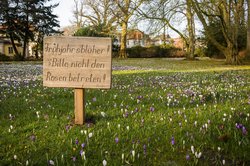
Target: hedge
{"points": [[154, 52]]}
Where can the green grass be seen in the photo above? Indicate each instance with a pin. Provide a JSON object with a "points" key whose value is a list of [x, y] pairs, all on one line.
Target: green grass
{"points": [[151, 116]]}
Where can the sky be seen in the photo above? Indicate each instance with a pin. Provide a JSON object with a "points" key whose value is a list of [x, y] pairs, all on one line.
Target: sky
{"points": [[64, 11], [65, 14]]}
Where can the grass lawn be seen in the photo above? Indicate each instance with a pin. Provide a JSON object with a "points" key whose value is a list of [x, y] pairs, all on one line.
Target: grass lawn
{"points": [[158, 112]]}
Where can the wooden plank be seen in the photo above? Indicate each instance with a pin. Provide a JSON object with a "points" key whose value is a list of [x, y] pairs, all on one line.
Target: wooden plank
{"points": [[79, 106], [77, 62]]}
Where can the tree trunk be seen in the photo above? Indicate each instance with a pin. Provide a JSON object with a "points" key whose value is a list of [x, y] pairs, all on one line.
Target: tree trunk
{"points": [[14, 46], [191, 32], [231, 54], [164, 35], [123, 53], [26, 35], [229, 14], [25, 42], [248, 30], [36, 51]]}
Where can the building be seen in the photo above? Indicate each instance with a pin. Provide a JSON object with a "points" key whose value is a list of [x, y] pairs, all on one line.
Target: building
{"points": [[135, 38], [178, 43], [160, 40], [69, 30], [6, 47]]}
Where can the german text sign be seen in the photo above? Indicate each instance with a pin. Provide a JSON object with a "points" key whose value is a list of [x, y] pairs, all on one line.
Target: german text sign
{"points": [[77, 62]]}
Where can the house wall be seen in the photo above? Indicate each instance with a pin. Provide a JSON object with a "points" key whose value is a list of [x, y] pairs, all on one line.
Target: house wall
{"points": [[133, 42], [9, 51], [178, 43], [135, 38], [1, 48], [136, 34]]}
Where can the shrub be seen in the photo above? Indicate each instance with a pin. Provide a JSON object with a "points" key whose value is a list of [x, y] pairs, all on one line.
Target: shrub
{"points": [[4, 57], [199, 52], [154, 52]]}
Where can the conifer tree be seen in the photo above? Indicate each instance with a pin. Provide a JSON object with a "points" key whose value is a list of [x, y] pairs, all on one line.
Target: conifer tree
{"points": [[27, 20]]}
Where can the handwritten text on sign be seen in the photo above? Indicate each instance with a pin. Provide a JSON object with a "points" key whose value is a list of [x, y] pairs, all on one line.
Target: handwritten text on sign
{"points": [[77, 62]]}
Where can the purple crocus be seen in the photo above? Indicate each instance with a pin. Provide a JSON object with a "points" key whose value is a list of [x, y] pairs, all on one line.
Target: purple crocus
{"points": [[73, 158], [83, 145], [144, 149], [244, 130], [67, 128], [187, 157], [116, 140], [77, 141], [32, 137], [239, 126], [81, 152], [172, 141], [136, 109], [125, 115], [152, 109], [140, 97]]}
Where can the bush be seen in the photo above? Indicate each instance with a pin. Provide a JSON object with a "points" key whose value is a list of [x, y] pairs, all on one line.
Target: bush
{"points": [[4, 57], [154, 52], [199, 52]]}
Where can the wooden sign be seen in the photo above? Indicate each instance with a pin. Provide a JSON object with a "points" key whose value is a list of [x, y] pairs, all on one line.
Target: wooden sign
{"points": [[77, 62]]}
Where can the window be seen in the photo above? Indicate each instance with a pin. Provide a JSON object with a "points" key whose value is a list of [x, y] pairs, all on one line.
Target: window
{"points": [[10, 50]]}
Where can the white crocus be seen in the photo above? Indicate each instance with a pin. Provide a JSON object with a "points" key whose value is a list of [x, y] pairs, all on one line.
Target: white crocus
{"points": [[90, 135], [104, 162], [192, 149]]}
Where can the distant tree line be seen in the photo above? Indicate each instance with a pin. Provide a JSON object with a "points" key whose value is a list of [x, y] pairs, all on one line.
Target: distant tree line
{"points": [[226, 24]]}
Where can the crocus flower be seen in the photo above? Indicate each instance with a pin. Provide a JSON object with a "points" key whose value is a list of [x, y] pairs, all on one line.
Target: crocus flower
{"points": [[103, 114], [192, 149], [104, 162], [51, 162], [198, 155], [187, 157], [74, 158], [144, 149], [239, 126], [152, 109], [244, 130], [32, 137], [133, 153], [172, 141], [90, 135], [116, 139], [67, 128]]}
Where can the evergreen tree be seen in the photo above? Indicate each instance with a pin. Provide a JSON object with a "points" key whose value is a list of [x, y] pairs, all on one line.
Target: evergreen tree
{"points": [[27, 20]]}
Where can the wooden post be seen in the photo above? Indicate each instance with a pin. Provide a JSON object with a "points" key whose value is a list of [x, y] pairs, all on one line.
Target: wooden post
{"points": [[79, 106]]}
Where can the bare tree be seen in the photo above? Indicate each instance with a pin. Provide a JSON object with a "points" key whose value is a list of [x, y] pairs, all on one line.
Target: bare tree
{"points": [[125, 10], [78, 13], [228, 13], [248, 29], [95, 13], [166, 11], [100, 14]]}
